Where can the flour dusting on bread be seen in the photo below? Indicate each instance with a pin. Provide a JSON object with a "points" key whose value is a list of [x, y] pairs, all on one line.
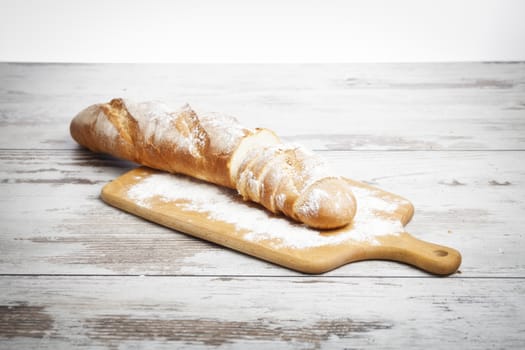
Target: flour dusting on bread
{"points": [[284, 178]]}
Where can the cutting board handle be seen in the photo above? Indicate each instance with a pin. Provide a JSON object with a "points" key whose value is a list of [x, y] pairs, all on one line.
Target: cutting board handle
{"points": [[434, 258]]}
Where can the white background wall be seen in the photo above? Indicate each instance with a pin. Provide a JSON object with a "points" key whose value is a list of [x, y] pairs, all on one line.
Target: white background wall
{"points": [[262, 31]]}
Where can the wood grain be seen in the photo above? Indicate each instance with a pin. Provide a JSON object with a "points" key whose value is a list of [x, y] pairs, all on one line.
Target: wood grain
{"points": [[289, 313], [75, 273], [339, 106]]}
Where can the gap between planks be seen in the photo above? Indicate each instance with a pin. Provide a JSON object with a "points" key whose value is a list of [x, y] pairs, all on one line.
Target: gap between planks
{"points": [[230, 276], [43, 150]]}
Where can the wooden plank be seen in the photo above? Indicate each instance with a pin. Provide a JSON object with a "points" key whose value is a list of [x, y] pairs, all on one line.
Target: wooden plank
{"points": [[341, 106], [471, 201], [289, 313]]}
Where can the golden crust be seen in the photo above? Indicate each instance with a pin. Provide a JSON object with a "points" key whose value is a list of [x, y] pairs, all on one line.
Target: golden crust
{"points": [[326, 204], [193, 156]]}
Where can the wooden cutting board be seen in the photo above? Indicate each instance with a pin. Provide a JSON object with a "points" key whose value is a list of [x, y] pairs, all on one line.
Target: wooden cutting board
{"points": [[218, 215]]}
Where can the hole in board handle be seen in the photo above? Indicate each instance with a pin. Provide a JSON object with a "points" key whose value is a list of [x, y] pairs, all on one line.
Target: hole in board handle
{"points": [[440, 252]]}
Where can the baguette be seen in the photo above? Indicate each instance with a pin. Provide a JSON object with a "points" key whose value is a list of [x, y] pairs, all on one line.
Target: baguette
{"points": [[284, 178]]}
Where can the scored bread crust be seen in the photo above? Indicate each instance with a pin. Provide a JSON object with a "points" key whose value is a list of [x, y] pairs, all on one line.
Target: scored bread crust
{"points": [[178, 142], [284, 178]]}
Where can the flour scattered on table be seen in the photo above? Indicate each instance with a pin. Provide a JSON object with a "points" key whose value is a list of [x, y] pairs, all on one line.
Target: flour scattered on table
{"points": [[225, 205]]}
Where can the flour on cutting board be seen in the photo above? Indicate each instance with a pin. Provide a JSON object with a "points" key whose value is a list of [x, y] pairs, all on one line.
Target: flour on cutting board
{"points": [[225, 205]]}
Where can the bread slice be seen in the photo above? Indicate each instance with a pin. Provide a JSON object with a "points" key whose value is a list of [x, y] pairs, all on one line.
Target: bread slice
{"points": [[253, 143]]}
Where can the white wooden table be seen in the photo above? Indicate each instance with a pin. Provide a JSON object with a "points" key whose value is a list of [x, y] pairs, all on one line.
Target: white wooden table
{"points": [[76, 273]]}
